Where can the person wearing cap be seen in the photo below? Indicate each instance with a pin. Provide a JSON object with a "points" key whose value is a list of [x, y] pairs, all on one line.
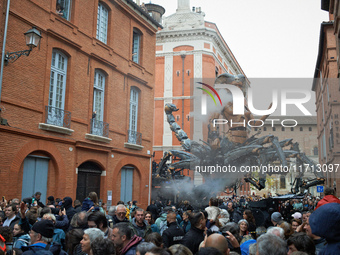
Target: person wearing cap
{"points": [[297, 216], [41, 236], [276, 218], [59, 234]]}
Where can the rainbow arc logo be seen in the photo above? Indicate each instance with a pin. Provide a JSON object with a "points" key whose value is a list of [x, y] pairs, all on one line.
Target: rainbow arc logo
{"points": [[209, 93]]}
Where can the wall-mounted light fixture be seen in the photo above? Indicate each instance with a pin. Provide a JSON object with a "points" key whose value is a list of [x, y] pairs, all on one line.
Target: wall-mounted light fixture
{"points": [[33, 37]]}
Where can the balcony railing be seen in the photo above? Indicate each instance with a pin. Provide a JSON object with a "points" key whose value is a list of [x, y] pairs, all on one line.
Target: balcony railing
{"points": [[99, 128], [58, 117], [134, 137]]}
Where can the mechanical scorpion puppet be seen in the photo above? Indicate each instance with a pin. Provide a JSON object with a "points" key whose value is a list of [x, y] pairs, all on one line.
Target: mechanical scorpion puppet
{"points": [[233, 148]]}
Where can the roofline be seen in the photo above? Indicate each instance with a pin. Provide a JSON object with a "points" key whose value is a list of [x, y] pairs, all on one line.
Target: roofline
{"points": [[232, 54], [320, 52], [143, 13]]}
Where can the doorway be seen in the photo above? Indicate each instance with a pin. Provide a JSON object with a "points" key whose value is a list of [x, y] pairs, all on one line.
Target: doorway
{"points": [[88, 180]]}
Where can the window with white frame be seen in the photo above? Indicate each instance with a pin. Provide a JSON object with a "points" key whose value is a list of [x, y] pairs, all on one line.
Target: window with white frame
{"points": [[98, 94], [56, 99], [97, 125], [102, 23], [134, 94], [136, 42], [65, 8]]}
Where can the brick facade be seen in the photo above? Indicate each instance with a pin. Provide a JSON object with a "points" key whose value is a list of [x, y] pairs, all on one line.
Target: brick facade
{"points": [[25, 93], [326, 87]]}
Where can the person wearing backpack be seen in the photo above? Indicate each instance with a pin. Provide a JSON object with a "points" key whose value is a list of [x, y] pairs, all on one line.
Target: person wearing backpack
{"points": [[161, 222]]}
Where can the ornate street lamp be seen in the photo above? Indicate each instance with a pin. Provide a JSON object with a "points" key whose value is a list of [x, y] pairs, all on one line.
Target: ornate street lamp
{"points": [[33, 37]]}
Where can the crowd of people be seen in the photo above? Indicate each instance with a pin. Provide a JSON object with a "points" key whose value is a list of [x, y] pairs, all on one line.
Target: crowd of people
{"points": [[230, 226]]}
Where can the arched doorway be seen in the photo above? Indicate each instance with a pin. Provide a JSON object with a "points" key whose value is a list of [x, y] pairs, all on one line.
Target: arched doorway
{"points": [[126, 187], [35, 174], [88, 180]]}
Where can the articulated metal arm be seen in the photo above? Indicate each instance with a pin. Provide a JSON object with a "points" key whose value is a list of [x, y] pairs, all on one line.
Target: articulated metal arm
{"points": [[259, 184]]}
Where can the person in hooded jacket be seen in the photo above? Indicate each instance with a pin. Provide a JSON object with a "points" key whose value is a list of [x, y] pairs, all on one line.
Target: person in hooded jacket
{"points": [[328, 198], [67, 204], [324, 222], [20, 237], [161, 221], [140, 226]]}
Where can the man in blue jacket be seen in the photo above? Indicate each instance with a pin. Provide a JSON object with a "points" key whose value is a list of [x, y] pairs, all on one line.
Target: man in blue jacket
{"points": [[41, 236]]}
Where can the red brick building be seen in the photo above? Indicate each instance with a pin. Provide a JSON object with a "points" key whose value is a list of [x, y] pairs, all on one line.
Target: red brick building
{"points": [[79, 108], [326, 87]]}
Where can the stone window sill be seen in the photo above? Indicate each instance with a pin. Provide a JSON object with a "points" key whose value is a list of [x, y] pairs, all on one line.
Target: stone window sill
{"points": [[133, 146], [57, 129], [98, 138]]}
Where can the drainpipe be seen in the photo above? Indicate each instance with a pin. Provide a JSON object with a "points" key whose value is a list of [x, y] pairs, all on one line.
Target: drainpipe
{"points": [[150, 175], [4, 48], [183, 57]]}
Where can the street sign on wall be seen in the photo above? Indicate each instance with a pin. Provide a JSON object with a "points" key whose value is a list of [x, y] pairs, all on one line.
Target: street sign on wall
{"points": [[319, 189]]}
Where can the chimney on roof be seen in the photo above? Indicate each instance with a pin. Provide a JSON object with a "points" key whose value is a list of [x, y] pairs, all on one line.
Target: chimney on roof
{"points": [[156, 11]]}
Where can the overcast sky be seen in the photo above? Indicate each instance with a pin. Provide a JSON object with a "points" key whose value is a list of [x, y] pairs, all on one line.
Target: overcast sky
{"points": [[269, 38]]}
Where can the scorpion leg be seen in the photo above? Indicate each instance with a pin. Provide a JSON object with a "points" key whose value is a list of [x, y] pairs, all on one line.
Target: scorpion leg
{"points": [[279, 151]]}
